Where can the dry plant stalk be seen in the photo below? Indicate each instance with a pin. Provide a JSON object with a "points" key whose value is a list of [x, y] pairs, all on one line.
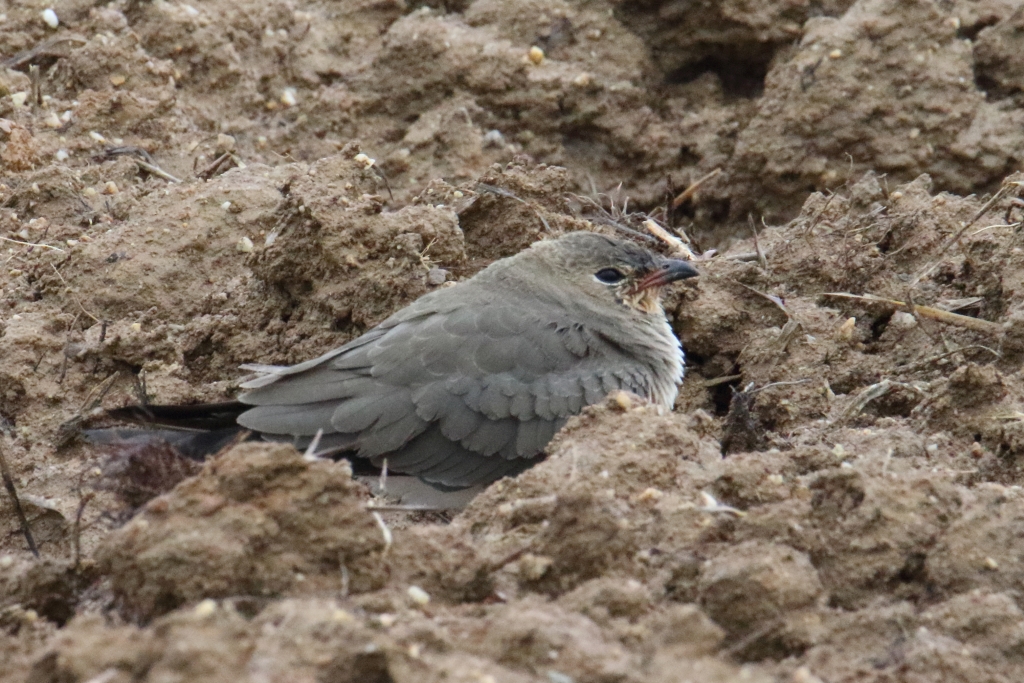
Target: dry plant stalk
{"points": [[692, 189], [965, 321], [674, 243], [5, 473]]}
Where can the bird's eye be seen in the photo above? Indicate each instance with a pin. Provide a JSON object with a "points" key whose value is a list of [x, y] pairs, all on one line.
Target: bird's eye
{"points": [[609, 276]]}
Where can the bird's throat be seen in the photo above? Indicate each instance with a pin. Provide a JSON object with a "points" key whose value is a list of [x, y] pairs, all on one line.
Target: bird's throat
{"points": [[645, 300]]}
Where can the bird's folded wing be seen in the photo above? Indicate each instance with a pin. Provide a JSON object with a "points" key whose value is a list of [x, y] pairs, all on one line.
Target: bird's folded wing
{"points": [[486, 380]]}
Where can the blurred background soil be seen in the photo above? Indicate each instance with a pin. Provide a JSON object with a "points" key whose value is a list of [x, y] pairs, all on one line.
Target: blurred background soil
{"points": [[187, 188]]}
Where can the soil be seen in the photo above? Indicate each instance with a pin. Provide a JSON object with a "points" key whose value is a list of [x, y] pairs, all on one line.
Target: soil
{"points": [[836, 496]]}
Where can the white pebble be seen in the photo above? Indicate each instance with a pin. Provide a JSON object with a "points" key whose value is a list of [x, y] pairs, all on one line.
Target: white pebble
{"points": [[493, 138], [288, 97], [18, 99], [50, 17], [96, 136], [418, 595], [61, 155], [226, 205], [244, 245], [206, 608]]}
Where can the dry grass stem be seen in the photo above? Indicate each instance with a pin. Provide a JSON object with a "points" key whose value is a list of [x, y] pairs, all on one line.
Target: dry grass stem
{"points": [[12, 491], [692, 189], [965, 321]]}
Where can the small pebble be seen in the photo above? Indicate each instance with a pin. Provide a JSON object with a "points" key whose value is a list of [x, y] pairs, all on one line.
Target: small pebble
{"points": [[418, 595], [118, 79], [493, 138], [650, 494], [61, 155], [244, 245], [137, 327], [50, 17], [225, 143], [622, 400], [96, 136], [533, 567], [365, 160], [845, 332], [225, 206], [52, 120], [902, 319], [536, 55], [18, 99], [288, 97], [804, 675], [342, 616], [835, 54], [437, 276], [110, 187], [206, 608], [6, 562]]}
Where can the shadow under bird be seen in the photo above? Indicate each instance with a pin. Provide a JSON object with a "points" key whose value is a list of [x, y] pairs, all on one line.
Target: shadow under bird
{"points": [[468, 383]]}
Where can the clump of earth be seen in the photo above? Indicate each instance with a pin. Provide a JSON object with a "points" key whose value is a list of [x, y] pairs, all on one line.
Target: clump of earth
{"points": [[835, 497]]}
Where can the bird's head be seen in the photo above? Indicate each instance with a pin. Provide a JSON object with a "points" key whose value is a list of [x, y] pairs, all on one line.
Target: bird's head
{"points": [[611, 269]]}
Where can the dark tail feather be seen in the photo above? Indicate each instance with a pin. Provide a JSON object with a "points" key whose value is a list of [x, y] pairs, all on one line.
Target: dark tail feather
{"points": [[205, 416], [195, 431]]}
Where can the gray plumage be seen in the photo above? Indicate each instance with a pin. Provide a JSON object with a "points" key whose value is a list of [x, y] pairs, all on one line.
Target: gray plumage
{"points": [[469, 383]]}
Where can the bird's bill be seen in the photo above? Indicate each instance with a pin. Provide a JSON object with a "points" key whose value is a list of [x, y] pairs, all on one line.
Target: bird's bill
{"points": [[670, 271]]}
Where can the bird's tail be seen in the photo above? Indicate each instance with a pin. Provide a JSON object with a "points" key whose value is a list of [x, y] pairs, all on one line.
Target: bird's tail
{"points": [[195, 431]]}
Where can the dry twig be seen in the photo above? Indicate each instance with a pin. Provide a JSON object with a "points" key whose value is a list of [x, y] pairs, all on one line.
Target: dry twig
{"points": [[965, 321], [12, 491], [30, 244], [959, 233], [870, 394], [46, 49], [692, 189], [675, 244]]}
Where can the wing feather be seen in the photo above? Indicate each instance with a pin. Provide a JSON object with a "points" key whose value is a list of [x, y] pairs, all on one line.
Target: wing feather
{"points": [[455, 394]]}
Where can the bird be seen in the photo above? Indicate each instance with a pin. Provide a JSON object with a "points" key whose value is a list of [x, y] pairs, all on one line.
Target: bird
{"points": [[469, 383]]}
